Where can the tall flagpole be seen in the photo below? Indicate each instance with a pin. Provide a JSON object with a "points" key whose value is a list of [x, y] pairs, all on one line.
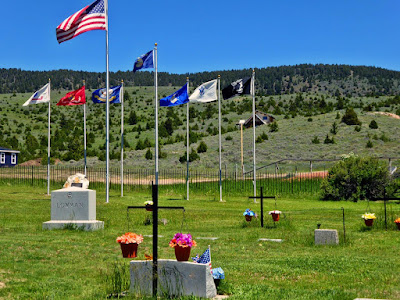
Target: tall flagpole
{"points": [[219, 138], [107, 111], [122, 138], [48, 145], [156, 113], [84, 132], [187, 143], [252, 87]]}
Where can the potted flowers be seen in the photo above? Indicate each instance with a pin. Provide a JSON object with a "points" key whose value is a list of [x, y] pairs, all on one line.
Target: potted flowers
{"points": [[397, 221], [368, 218], [275, 215], [249, 214], [129, 243], [149, 205], [182, 244]]}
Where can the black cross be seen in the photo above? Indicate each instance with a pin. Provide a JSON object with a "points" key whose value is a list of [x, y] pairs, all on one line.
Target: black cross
{"points": [[262, 203], [155, 231]]}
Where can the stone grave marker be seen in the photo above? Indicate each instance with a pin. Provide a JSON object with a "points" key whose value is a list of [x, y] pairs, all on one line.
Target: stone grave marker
{"points": [[73, 207], [326, 237], [175, 278]]}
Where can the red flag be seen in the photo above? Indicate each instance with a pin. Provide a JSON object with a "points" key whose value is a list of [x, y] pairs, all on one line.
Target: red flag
{"points": [[73, 98]]}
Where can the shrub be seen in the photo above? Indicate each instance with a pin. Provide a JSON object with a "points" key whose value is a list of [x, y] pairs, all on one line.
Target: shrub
{"points": [[350, 117], [373, 125], [228, 138], [273, 127], [328, 140], [149, 154], [369, 144], [315, 140], [202, 147], [357, 178], [357, 128]]}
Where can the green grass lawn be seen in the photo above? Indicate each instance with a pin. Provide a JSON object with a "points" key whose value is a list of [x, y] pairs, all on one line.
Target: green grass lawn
{"points": [[68, 264]]}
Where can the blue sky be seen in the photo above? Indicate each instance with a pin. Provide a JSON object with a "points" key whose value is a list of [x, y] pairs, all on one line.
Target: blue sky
{"points": [[195, 36]]}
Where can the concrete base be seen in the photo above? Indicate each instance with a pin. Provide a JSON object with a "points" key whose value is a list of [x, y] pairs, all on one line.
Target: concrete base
{"points": [[84, 225], [174, 279], [326, 237]]}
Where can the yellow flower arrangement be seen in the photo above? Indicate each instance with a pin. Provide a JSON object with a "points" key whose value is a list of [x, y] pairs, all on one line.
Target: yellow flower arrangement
{"points": [[368, 216]]}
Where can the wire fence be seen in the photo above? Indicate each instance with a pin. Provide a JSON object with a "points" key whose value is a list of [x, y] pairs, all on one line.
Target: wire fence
{"points": [[207, 182]]}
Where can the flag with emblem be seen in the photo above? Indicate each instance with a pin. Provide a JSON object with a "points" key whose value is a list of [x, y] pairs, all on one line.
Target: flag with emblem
{"points": [[205, 258], [144, 62], [99, 96], [206, 92], [76, 97], [238, 87], [91, 17], [40, 96], [177, 98]]}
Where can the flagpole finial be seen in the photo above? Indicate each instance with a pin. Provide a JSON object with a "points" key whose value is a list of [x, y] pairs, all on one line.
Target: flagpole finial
{"points": [[219, 76], [122, 80], [49, 79], [155, 44]]}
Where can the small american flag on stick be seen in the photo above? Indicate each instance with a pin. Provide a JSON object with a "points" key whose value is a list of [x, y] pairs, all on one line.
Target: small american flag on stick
{"points": [[205, 258], [91, 17]]}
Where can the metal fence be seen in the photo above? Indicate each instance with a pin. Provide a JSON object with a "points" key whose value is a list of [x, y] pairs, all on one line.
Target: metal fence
{"points": [[233, 182]]}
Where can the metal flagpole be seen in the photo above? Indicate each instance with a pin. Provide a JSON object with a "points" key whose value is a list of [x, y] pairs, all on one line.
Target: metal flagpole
{"points": [[48, 146], [107, 111], [187, 143], [84, 132], [254, 135], [156, 113], [219, 138], [122, 138]]}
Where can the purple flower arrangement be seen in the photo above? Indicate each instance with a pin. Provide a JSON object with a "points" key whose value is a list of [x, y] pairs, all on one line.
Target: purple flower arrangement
{"points": [[183, 240]]}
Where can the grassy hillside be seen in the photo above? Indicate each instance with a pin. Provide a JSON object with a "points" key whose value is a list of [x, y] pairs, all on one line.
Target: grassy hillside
{"points": [[301, 118]]}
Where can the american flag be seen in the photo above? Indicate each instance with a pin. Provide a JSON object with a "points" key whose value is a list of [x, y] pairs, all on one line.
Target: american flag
{"points": [[91, 17], [205, 258]]}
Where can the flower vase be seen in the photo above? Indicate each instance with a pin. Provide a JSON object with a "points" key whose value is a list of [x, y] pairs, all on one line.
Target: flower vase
{"points": [[369, 222], [248, 218], [129, 250], [149, 207], [275, 217], [398, 226], [182, 253]]}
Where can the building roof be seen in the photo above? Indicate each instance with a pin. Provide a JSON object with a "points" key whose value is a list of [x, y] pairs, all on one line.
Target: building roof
{"points": [[261, 116], [2, 149]]}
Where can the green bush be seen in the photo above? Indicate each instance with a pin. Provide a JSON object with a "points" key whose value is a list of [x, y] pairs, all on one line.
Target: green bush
{"points": [[149, 154], [357, 178], [373, 125], [202, 147], [350, 117]]}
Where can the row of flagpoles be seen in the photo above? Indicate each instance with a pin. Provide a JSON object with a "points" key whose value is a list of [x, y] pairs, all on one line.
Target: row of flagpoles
{"points": [[95, 17]]}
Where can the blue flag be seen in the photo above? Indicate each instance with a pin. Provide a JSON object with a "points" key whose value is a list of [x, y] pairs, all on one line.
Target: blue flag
{"points": [[100, 96], [179, 97], [144, 62]]}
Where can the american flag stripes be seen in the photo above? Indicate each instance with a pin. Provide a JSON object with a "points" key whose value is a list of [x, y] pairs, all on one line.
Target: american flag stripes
{"points": [[91, 17]]}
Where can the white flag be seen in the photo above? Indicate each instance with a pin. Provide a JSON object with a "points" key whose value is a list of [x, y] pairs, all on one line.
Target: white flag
{"points": [[41, 96], [206, 92]]}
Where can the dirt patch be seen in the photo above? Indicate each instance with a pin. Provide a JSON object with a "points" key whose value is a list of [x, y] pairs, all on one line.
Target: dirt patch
{"points": [[387, 114], [33, 162], [2, 285]]}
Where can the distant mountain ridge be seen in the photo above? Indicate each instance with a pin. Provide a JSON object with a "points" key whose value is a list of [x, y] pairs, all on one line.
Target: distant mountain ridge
{"points": [[330, 79]]}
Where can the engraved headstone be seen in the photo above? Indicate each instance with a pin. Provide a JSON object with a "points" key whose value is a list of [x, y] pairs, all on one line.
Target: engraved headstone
{"points": [[73, 207], [175, 278], [326, 237]]}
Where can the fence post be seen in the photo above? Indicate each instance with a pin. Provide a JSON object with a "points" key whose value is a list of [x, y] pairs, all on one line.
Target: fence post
{"points": [[32, 176]]}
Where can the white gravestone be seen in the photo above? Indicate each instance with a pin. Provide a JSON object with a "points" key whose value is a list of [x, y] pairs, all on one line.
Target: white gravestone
{"points": [[175, 278], [326, 237], [73, 207]]}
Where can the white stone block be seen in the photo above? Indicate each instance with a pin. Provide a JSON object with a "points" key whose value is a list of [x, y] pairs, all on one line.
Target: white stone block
{"points": [[174, 279], [326, 237], [73, 204]]}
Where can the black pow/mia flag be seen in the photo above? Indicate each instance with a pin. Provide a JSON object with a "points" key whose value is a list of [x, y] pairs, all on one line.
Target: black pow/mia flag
{"points": [[238, 87]]}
